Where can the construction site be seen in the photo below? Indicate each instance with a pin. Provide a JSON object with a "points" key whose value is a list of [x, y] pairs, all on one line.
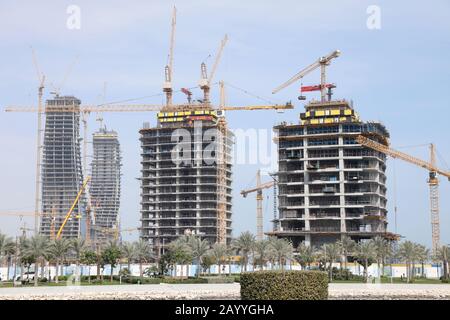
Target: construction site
{"points": [[330, 180]]}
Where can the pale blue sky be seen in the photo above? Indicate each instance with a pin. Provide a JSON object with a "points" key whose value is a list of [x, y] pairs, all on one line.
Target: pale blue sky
{"points": [[398, 75]]}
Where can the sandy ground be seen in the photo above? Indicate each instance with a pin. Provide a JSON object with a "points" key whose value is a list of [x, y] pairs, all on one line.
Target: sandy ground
{"points": [[219, 291]]}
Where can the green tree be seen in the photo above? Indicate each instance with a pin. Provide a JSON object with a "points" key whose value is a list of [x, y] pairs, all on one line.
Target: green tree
{"points": [[230, 254], [443, 254], [181, 253], [207, 262], [199, 248], [282, 250], [143, 254], [89, 257], [78, 245], [37, 249], [305, 255], [365, 253], [244, 245], [128, 252], [219, 253], [347, 246], [330, 253], [7, 250], [382, 250], [423, 254], [59, 249], [407, 251], [110, 255]]}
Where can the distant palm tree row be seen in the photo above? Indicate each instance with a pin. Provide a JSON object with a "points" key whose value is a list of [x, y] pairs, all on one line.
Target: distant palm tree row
{"points": [[190, 249], [39, 250]]}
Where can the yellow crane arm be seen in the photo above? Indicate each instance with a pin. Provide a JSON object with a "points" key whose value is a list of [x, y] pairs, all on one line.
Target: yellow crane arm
{"points": [[143, 108], [400, 155], [58, 235], [266, 185]]}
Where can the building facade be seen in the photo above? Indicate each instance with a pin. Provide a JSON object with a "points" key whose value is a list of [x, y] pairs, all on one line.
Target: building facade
{"points": [[329, 185], [181, 178], [62, 175], [105, 185]]}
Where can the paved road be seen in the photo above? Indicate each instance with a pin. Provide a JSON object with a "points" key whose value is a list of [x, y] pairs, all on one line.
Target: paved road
{"points": [[148, 291], [218, 291]]}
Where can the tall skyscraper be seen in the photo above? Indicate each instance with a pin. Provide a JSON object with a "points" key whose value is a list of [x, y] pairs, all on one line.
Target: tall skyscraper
{"points": [[329, 185], [105, 185], [62, 175], [179, 197]]}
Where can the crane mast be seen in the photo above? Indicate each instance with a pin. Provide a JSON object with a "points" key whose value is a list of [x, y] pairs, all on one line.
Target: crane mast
{"points": [[41, 87], [168, 70], [205, 81], [259, 202]]}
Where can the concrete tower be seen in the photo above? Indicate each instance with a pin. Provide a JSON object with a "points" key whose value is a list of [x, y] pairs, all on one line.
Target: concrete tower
{"points": [[180, 178], [329, 185], [62, 175], [105, 185]]}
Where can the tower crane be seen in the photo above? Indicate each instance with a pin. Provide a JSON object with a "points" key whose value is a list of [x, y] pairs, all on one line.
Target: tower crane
{"points": [[259, 202], [205, 81], [167, 87], [433, 181], [41, 79], [322, 62], [115, 231]]}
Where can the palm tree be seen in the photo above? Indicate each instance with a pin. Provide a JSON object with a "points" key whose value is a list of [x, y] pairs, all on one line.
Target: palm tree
{"points": [[347, 246], [443, 254], [110, 255], [89, 257], [407, 251], [330, 253], [230, 253], [128, 252], [7, 249], [365, 252], [59, 248], [77, 247], [181, 254], [382, 249], [23, 242], [199, 248], [282, 249], [38, 249], [261, 249], [143, 254], [244, 245], [305, 255], [219, 252]]}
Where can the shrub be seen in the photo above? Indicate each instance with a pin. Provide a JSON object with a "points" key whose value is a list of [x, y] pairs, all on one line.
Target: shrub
{"points": [[287, 285], [346, 275], [187, 281], [219, 279]]}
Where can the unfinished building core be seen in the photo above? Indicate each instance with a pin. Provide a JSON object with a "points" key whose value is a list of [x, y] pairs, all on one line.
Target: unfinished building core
{"points": [[182, 181], [62, 175], [329, 185], [105, 186]]}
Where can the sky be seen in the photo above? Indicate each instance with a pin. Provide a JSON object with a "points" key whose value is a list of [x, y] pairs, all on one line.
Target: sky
{"points": [[395, 70]]}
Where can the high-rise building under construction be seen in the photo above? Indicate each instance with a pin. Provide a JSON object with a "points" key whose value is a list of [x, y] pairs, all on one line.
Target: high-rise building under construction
{"points": [[182, 183], [105, 185], [329, 185], [62, 175]]}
